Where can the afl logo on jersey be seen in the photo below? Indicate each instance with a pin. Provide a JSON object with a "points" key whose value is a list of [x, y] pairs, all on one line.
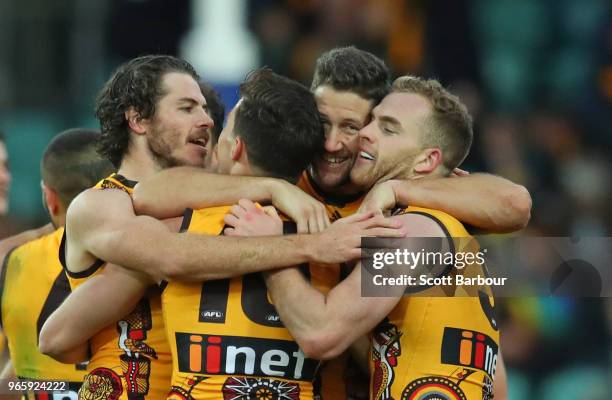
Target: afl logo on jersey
{"points": [[211, 315]]}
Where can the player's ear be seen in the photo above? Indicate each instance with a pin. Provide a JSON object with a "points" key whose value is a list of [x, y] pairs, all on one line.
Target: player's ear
{"points": [[238, 149], [136, 123], [427, 161], [51, 198]]}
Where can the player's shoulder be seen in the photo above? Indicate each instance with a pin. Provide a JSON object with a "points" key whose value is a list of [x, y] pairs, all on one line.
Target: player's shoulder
{"points": [[38, 249], [28, 242], [41, 241], [93, 203]]}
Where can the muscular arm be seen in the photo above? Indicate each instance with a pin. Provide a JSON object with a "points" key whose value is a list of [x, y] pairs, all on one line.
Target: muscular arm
{"points": [[169, 192], [484, 201], [82, 314], [500, 383], [326, 325], [143, 243]]}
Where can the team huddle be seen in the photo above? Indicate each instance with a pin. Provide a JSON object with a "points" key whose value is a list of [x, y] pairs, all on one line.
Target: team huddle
{"points": [[193, 260]]}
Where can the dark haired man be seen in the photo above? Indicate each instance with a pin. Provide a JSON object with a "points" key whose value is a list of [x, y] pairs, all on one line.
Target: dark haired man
{"points": [[133, 357], [418, 131], [347, 83], [216, 111], [11, 242], [272, 131], [33, 283]]}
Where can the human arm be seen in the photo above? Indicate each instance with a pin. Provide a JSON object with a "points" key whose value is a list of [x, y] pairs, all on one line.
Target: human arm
{"points": [[8, 374], [142, 243], [500, 383], [325, 325], [73, 323], [169, 192], [484, 201]]}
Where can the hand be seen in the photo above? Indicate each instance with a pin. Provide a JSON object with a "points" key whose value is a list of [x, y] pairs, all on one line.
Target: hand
{"points": [[309, 214], [246, 219], [341, 242], [380, 198], [458, 172]]}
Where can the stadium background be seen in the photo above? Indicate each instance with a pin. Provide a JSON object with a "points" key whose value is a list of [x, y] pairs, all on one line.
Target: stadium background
{"points": [[536, 75]]}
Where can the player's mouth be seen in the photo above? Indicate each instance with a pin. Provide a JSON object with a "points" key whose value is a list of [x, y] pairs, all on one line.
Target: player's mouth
{"points": [[200, 142], [366, 156], [333, 161]]}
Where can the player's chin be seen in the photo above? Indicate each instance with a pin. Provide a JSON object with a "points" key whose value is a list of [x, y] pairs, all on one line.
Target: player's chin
{"points": [[331, 180], [361, 177], [194, 158]]}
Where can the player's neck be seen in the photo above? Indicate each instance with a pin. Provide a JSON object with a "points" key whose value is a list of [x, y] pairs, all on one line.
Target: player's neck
{"points": [[137, 167]]}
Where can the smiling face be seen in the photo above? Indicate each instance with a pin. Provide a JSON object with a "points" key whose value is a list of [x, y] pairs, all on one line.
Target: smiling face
{"points": [[391, 142], [178, 132], [343, 114]]}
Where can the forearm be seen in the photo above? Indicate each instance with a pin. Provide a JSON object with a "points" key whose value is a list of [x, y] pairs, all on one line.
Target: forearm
{"points": [[149, 247], [485, 201], [74, 322], [218, 257], [303, 310], [169, 192]]}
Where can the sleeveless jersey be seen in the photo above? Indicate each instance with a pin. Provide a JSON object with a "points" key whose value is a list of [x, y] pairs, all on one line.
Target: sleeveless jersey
{"points": [[226, 337], [437, 347], [334, 376], [130, 359], [33, 286]]}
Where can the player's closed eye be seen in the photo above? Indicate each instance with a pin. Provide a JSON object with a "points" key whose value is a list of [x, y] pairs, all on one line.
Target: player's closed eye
{"points": [[352, 129], [387, 130]]}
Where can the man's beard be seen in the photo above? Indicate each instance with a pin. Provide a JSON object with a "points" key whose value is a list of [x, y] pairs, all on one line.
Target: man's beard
{"points": [[161, 151]]}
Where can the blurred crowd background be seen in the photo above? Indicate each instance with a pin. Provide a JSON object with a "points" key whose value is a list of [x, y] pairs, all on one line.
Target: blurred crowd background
{"points": [[536, 75]]}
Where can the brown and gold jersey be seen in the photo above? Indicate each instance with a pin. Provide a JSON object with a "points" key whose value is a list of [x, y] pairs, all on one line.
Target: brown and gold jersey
{"points": [[226, 337], [130, 359], [33, 286], [333, 380], [437, 347]]}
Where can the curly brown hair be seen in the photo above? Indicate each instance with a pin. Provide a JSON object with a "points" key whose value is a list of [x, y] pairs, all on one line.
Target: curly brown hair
{"points": [[449, 126], [137, 84]]}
